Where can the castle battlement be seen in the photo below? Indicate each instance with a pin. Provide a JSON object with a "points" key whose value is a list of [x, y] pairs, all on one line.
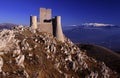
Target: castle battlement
{"points": [[48, 24]]}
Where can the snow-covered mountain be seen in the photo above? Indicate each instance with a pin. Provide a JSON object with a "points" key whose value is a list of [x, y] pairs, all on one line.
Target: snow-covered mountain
{"points": [[97, 24], [107, 35]]}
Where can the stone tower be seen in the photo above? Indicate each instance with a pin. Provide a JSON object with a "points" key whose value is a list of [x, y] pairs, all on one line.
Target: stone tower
{"points": [[45, 22], [33, 22], [45, 15], [58, 29]]}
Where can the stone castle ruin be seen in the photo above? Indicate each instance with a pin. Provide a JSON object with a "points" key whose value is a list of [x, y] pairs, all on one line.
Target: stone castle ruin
{"points": [[48, 24]]}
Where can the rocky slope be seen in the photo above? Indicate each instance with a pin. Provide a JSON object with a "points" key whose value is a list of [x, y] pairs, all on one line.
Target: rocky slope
{"points": [[26, 53], [111, 58]]}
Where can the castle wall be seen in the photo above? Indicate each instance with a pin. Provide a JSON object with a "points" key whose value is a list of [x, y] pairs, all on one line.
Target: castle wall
{"points": [[33, 22], [46, 27]]}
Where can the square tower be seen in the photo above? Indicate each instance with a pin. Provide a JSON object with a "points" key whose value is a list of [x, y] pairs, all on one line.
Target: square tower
{"points": [[45, 15], [45, 21]]}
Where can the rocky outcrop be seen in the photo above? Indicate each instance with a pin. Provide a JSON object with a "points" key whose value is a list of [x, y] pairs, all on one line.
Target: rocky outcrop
{"points": [[27, 53]]}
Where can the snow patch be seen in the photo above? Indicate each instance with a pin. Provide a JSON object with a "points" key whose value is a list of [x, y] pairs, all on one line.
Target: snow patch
{"points": [[97, 24]]}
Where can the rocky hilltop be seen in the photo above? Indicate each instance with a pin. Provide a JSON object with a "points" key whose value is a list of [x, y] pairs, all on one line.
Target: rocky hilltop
{"points": [[27, 53]]}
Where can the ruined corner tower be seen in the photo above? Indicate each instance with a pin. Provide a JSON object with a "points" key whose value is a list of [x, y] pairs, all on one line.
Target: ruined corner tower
{"points": [[33, 22], [58, 33], [48, 24]]}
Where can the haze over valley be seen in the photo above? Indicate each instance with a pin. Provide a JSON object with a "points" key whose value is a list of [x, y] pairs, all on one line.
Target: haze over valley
{"points": [[106, 35]]}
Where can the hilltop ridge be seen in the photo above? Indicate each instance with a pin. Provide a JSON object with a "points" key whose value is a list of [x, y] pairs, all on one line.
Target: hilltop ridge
{"points": [[27, 53]]}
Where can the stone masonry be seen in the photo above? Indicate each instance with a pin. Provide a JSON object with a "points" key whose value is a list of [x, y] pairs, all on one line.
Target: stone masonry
{"points": [[45, 22]]}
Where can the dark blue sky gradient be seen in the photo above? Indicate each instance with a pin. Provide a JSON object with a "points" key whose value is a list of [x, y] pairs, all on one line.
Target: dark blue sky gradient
{"points": [[72, 11]]}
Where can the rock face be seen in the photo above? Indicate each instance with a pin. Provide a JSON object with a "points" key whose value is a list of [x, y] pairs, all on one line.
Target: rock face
{"points": [[27, 53]]}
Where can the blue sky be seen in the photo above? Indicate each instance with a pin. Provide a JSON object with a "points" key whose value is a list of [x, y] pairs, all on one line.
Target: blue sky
{"points": [[72, 11]]}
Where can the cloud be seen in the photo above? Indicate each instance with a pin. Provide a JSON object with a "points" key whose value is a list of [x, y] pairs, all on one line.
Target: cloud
{"points": [[97, 24], [71, 25]]}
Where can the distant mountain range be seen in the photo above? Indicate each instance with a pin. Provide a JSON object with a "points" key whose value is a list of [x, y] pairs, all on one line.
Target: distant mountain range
{"points": [[91, 25], [97, 24], [106, 35], [7, 25]]}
